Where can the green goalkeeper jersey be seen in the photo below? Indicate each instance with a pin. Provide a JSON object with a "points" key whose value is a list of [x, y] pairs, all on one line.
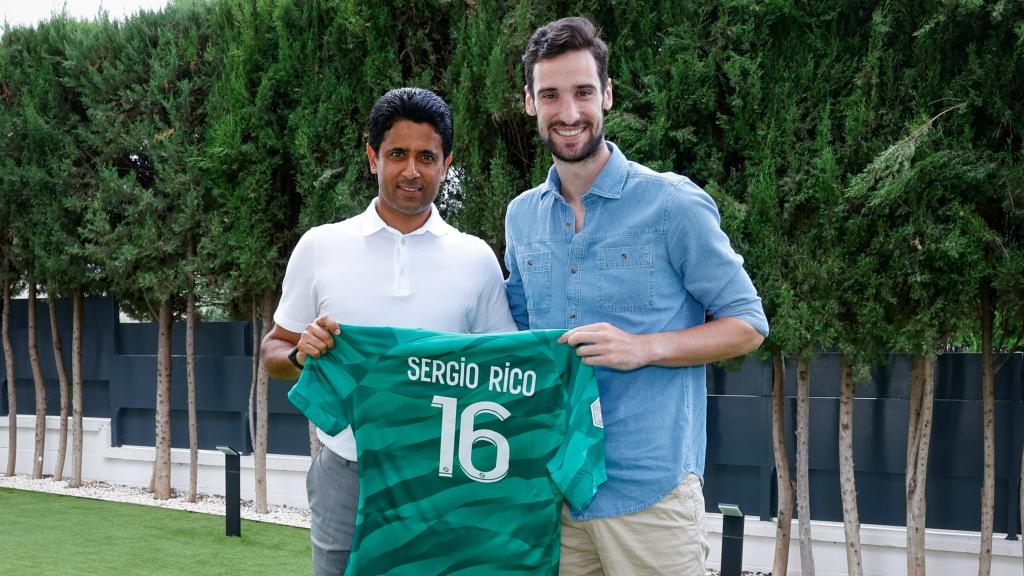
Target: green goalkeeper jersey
{"points": [[467, 445]]}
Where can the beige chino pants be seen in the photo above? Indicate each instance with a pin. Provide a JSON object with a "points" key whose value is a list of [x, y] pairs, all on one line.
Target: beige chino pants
{"points": [[667, 538]]}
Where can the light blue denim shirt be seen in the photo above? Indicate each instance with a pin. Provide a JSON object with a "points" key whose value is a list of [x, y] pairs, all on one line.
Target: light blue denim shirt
{"points": [[651, 257]]}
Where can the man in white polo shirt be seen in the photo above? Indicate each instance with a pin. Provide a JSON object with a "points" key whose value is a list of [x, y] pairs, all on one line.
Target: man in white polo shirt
{"points": [[396, 264]]}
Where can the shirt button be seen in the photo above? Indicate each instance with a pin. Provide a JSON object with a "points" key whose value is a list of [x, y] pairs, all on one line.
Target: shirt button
{"points": [[529, 262], [572, 314], [566, 224], [572, 270]]}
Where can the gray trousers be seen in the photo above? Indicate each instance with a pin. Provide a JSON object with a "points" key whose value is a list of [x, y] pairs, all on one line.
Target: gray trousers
{"points": [[332, 485]]}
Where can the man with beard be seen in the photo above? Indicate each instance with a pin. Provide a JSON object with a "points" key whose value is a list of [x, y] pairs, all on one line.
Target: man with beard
{"points": [[631, 262], [397, 264]]}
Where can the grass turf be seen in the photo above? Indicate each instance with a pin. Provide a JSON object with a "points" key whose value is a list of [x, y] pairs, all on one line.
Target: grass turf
{"points": [[54, 535]]}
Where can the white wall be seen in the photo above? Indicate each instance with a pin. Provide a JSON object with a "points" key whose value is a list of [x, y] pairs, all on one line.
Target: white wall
{"points": [[133, 465], [950, 553], [883, 549]]}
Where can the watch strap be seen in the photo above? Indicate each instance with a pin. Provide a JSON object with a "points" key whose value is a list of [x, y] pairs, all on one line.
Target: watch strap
{"points": [[293, 358]]}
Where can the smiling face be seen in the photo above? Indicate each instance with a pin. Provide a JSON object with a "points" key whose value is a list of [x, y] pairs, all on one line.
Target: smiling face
{"points": [[569, 103], [410, 166]]}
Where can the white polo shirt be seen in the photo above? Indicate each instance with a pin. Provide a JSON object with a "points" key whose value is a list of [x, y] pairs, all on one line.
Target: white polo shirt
{"points": [[361, 271]]}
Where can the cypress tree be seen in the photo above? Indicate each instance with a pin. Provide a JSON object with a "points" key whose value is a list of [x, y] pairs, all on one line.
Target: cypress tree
{"points": [[30, 79], [10, 209], [252, 177], [142, 105], [180, 77], [914, 194], [971, 54]]}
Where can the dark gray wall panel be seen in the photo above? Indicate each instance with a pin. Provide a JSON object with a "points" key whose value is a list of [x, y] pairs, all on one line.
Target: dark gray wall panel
{"points": [[119, 368]]}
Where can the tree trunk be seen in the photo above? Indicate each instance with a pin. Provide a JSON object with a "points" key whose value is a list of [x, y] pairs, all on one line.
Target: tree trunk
{"points": [[922, 396], [314, 441], [162, 461], [782, 475], [255, 371], [847, 480], [988, 483], [12, 395], [62, 378], [262, 381], [190, 367], [40, 384], [78, 305], [913, 431], [803, 483]]}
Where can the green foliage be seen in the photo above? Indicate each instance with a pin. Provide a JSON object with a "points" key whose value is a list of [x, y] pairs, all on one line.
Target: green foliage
{"points": [[786, 77], [245, 161], [12, 129], [928, 239], [864, 155], [494, 145], [142, 85], [936, 207]]}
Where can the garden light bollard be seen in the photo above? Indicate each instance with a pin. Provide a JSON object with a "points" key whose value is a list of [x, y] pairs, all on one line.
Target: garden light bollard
{"points": [[732, 539], [232, 494]]}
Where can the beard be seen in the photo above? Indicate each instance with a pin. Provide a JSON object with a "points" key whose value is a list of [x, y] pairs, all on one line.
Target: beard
{"points": [[588, 149]]}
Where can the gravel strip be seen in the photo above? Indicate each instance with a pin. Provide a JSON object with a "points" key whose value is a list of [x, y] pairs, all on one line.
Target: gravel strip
{"points": [[204, 504]]}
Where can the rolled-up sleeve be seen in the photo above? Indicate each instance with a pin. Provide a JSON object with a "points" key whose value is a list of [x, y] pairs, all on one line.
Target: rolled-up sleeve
{"points": [[711, 270]]}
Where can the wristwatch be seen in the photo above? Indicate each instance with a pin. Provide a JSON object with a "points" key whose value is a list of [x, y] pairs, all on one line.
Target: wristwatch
{"points": [[293, 357]]}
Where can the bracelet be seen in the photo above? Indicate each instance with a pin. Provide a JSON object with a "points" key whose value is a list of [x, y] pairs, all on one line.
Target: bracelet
{"points": [[293, 358]]}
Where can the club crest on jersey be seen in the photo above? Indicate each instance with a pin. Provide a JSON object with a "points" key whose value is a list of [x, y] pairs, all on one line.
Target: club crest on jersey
{"points": [[595, 413]]}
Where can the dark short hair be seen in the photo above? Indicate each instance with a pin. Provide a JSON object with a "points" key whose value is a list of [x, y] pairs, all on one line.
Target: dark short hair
{"points": [[565, 35], [413, 104]]}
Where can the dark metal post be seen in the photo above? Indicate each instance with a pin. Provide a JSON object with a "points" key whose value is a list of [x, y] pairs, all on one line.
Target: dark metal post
{"points": [[732, 539], [232, 491]]}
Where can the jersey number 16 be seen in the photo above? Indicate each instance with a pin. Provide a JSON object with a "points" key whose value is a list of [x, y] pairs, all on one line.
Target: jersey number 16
{"points": [[468, 436]]}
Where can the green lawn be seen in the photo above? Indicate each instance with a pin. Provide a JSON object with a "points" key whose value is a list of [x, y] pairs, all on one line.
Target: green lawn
{"points": [[52, 535]]}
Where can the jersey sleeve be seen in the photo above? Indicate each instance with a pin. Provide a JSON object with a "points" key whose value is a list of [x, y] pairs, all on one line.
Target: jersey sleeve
{"points": [[322, 391], [578, 467]]}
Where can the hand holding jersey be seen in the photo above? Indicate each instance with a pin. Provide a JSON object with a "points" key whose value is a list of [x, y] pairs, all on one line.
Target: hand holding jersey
{"points": [[602, 344], [317, 338]]}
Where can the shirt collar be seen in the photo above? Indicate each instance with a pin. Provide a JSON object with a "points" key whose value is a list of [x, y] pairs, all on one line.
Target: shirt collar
{"points": [[609, 182], [373, 223]]}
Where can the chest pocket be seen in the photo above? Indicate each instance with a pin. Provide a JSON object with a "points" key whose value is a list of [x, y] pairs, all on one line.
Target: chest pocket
{"points": [[535, 268], [625, 278]]}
